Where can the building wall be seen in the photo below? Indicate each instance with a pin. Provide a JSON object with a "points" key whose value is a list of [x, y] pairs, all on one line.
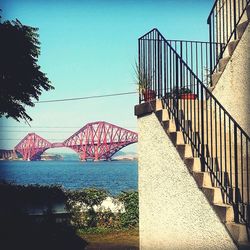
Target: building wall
{"points": [[174, 213], [233, 87]]}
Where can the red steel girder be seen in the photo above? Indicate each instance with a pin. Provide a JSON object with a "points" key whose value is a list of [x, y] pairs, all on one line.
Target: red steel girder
{"points": [[32, 146], [100, 140], [97, 141]]}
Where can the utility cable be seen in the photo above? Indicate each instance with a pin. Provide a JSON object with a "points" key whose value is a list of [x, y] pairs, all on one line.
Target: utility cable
{"points": [[87, 97]]}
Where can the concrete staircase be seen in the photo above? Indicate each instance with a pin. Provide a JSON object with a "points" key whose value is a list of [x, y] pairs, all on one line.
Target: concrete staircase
{"points": [[204, 179], [244, 22]]}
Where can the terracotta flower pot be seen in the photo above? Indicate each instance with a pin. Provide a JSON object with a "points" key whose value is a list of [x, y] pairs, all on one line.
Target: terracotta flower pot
{"points": [[149, 95]]}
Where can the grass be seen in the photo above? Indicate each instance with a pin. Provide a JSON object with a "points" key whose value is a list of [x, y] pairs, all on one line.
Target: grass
{"points": [[110, 238]]}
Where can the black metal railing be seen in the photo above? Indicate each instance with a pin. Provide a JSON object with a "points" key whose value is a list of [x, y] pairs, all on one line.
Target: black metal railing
{"points": [[223, 21], [215, 137], [197, 56]]}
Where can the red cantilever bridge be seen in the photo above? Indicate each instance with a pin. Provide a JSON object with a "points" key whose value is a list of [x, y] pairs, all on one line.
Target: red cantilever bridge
{"points": [[96, 141]]}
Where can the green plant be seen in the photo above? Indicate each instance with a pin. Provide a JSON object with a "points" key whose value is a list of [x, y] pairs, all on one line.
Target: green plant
{"points": [[107, 219], [179, 91], [81, 204], [184, 90], [131, 203], [143, 81]]}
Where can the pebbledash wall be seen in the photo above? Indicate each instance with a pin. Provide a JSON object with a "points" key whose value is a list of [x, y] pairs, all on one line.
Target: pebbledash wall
{"points": [[174, 213], [233, 87]]}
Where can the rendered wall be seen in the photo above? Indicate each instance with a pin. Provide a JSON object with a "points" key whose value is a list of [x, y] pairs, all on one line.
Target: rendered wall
{"points": [[174, 213], [233, 88]]}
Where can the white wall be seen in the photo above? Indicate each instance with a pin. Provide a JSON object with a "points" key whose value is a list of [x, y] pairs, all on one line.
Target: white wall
{"points": [[233, 88], [174, 213]]}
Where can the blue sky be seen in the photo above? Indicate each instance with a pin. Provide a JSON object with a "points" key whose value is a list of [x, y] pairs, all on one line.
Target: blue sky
{"points": [[90, 48]]}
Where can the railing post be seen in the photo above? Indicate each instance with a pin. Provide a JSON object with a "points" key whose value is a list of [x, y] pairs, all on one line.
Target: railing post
{"points": [[202, 131], [234, 16], [181, 80], [210, 49], [236, 192], [158, 67], [177, 93], [139, 65]]}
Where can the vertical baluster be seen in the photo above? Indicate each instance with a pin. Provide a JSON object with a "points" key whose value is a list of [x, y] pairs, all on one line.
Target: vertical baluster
{"points": [[230, 158], [236, 193], [223, 22], [177, 92], [234, 19], [165, 71], [221, 170], [227, 21], [242, 174], [202, 131], [139, 64], [216, 144], [225, 153], [211, 133], [210, 47], [248, 182], [150, 60], [158, 66], [207, 138], [180, 83]]}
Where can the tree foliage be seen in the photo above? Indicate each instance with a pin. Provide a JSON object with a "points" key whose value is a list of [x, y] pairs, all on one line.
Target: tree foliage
{"points": [[131, 202], [88, 197], [21, 80]]}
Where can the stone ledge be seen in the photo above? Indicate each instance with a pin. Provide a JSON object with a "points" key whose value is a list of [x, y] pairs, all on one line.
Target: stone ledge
{"points": [[144, 109]]}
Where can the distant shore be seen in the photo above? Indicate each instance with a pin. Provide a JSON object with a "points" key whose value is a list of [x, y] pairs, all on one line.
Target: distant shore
{"points": [[61, 157]]}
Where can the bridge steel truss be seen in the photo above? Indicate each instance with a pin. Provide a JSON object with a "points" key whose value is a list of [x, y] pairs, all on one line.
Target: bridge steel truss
{"points": [[96, 141], [32, 146]]}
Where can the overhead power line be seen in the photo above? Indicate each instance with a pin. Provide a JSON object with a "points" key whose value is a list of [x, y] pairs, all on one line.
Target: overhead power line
{"points": [[40, 131], [87, 97], [46, 127], [19, 139]]}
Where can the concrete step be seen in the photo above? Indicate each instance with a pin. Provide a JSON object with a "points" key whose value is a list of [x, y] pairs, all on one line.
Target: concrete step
{"points": [[193, 163], [211, 88], [231, 46], [238, 231], [169, 126], [162, 115], [184, 150], [225, 212], [203, 179], [241, 29], [223, 63], [159, 104], [213, 194], [215, 77], [177, 137]]}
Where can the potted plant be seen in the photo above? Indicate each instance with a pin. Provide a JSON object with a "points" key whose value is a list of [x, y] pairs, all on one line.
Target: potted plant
{"points": [[183, 93], [186, 93], [144, 84]]}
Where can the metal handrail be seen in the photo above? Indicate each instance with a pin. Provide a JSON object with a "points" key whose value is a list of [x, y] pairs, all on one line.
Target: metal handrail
{"points": [[223, 21], [197, 56], [215, 137]]}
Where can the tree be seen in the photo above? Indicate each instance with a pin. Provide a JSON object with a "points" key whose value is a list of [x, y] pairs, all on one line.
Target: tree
{"points": [[21, 80], [88, 198]]}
